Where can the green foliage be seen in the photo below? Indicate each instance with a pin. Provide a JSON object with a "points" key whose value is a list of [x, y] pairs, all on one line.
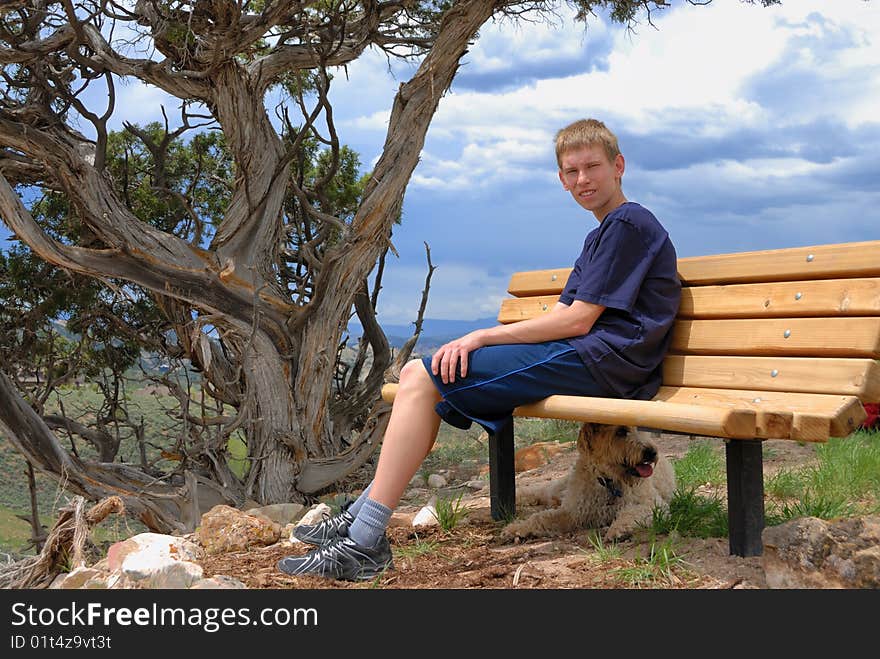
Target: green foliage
{"points": [[701, 465], [844, 480], [604, 553], [691, 514], [415, 549], [238, 453], [450, 512], [659, 566]]}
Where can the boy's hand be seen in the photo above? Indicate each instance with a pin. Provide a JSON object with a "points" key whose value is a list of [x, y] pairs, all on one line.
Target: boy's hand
{"points": [[456, 352]]}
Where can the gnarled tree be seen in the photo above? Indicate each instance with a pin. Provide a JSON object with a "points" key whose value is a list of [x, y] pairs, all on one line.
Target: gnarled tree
{"points": [[259, 296]]}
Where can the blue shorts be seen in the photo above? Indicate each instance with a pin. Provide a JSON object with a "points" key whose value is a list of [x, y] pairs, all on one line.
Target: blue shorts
{"points": [[502, 377]]}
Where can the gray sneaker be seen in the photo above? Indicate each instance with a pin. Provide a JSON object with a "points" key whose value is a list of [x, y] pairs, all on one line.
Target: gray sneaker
{"points": [[342, 558], [329, 528]]}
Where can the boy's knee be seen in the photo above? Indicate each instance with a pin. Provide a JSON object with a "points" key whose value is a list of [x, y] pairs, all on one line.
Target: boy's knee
{"points": [[414, 374], [410, 371]]}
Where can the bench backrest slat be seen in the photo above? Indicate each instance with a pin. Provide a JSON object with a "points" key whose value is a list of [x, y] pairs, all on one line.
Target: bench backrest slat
{"points": [[793, 299], [791, 337], [850, 377], [844, 260]]}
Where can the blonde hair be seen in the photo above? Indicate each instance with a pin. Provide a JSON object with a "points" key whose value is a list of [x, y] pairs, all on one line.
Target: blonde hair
{"points": [[586, 132]]}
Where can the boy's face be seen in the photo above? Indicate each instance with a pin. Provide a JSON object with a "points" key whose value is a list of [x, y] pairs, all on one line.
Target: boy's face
{"points": [[593, 180]]}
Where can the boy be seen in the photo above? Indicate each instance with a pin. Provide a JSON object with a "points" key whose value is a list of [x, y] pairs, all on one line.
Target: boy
{"points": [[606, 336]]}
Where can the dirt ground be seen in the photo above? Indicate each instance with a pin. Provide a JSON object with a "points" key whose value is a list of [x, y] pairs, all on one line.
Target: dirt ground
{"points": [[471, 556]]}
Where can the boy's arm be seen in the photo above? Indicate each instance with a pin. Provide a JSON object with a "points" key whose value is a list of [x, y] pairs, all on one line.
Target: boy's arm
{"points": [[562, 322]]}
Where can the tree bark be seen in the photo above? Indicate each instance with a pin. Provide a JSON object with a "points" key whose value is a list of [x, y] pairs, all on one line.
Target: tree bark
{"points": [[277, 361]]}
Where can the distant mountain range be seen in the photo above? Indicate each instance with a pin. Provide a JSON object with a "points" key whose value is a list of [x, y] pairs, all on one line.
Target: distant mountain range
{"points": [[435, 331]]}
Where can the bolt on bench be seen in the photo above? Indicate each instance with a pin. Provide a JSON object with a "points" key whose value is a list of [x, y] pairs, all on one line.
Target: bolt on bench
{"points": [[775, 344]]}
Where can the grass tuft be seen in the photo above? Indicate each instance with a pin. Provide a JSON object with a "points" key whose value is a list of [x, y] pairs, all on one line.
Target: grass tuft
{"points": [[691, 514], [450, 512], [658, 567], [701, 465]]}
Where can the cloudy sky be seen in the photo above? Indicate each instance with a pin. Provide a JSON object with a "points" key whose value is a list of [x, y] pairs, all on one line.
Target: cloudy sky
{"points": [[743, 128]]}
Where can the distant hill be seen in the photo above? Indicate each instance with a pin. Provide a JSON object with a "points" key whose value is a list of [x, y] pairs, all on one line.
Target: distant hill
{"points": [[435, 331]]}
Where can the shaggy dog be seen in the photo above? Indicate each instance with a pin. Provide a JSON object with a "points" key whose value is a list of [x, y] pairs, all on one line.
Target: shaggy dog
{"points": [[617, 480]]}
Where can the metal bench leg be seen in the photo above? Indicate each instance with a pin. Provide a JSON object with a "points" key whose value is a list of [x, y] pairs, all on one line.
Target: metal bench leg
{"points": [[502, 483], [745, 496]]}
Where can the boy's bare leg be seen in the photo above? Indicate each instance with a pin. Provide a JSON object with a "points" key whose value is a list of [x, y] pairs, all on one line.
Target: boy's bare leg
{"points": [[409, 436]]}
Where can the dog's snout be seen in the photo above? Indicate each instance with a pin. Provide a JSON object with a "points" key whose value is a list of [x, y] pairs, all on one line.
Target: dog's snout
{"points": [[649, 454]]}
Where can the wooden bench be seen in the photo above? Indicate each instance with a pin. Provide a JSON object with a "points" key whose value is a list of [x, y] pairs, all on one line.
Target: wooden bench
{"points": [[775, 344]]}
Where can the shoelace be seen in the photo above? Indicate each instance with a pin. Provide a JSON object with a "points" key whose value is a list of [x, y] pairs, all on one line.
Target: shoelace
{"points": [[328, 553]]}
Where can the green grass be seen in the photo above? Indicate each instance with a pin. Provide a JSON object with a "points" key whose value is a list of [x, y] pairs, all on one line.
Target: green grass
{"points": [[701, 465], [14, 533], [416, 549], [450, 512], [657, 568], [604, 553], [692, 514], [843, 481]]}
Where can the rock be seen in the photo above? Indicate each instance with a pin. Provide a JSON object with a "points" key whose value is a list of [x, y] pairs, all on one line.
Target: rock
{"points": [[418, 481], [117, 553], [280, 513], [76, 578], [812, 553], [225, 529], [399, 519], [218, 581], [536, 455], [96, 583], [146, 555], [315, 514], [427, 516], [436, 481], [174, 575], [476, 485]]}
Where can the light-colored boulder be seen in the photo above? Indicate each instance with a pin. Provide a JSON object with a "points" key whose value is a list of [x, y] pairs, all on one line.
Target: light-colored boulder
{"points": [[436, 481], [152, 554], [218, 582], [427, 516], [76, 578], [280, 513], [174, 575], [813, 553], [225, 529]]}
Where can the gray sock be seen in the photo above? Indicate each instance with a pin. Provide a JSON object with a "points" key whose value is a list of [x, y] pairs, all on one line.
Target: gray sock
{"points": [[357, 503], [370, 523]]}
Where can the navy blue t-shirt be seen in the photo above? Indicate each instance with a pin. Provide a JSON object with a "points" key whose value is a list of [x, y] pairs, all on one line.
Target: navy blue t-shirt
{"points": [[628, 265]]}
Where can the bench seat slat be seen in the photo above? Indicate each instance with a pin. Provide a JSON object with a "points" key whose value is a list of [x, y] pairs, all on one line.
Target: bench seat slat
{"points": [[849, 377], [777, 410], [715, 421], [807, 337]]}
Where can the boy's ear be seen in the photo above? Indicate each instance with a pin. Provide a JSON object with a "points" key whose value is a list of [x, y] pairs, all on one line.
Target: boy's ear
{"points": [[619, 165]]}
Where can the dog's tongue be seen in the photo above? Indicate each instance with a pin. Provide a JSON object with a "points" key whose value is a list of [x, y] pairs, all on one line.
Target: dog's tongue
{"points": [[645, 469]]}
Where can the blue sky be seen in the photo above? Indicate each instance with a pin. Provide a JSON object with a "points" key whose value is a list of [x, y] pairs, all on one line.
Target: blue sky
{"points": [[744, 128]]}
